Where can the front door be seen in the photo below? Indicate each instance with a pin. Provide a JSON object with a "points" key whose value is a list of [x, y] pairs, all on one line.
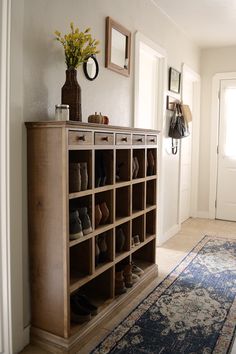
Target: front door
{"points": [[226, 183]]}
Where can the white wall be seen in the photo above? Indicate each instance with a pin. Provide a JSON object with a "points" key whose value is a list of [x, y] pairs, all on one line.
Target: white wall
{"points": [[216, 60], [41, 70]]}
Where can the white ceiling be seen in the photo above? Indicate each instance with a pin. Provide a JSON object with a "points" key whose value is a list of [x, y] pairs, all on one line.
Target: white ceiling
{"points": [[210, 23]]}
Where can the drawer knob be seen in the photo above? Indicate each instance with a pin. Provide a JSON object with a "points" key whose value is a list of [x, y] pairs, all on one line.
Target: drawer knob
{"points": [[152, 140], [82, 137], [105, 138], [124, 139], [140, 139]]}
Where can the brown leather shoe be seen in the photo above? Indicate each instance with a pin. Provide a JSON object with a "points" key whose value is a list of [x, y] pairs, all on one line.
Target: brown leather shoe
{"points": [[105, 212], [128, 276], [98, 215], [119, 283]]}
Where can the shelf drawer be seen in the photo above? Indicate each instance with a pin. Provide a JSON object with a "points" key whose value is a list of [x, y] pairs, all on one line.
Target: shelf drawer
{"points": [[104, 139], [123, 139], [80, 138], [151, 140], [138, 139]]}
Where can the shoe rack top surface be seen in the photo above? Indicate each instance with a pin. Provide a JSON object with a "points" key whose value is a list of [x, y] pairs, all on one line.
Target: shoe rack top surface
{"points": [[83, 125]]}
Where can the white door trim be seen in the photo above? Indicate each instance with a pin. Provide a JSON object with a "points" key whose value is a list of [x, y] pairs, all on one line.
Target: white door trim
{"points": [[186, 70], [214, 137], [5, 270], [161, 109]]}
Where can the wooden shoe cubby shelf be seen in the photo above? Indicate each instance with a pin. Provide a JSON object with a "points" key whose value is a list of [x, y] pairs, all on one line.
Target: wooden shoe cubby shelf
{"points": [[60, 266]]}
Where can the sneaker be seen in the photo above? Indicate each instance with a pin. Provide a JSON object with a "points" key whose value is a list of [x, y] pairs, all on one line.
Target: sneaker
{"points": [[75, 225], [137, 270], [79, 314], [85, 220], [84, 301]]}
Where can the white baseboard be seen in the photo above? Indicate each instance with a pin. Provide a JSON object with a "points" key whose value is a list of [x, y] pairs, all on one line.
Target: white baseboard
{"points": [[168, 234], [203, 215], [26, 335]]}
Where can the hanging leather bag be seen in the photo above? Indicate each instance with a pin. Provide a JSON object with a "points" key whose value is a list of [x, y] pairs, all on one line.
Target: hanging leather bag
{"points": [[177, 128]]}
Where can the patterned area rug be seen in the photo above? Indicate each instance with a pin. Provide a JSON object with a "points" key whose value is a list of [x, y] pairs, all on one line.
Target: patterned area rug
{"points": [[192, 311]]}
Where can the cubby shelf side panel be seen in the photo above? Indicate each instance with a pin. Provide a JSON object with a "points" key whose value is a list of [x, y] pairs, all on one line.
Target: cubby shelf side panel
{"points": [[47, 227]]}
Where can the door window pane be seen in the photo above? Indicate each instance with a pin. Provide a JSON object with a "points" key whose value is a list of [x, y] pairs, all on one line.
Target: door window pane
{"points": [[230, 122]]}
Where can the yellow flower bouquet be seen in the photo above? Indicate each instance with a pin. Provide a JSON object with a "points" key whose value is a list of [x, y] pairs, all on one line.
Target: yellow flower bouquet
{"points": [[78, 46]]}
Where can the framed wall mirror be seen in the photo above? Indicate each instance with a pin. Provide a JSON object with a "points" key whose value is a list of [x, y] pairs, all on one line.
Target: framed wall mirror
{"points": [[91, 68], [118, 45]]}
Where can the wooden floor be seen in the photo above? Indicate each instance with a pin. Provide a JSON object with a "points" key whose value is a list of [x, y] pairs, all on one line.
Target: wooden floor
{"points": [[168, 256]]}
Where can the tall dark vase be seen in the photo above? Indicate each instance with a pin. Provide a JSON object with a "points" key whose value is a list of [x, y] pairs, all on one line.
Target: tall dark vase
{"points": [[71, 94]]}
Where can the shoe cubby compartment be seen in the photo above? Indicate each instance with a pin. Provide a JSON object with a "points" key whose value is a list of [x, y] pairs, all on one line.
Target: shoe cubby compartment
{"points": [[122, 165], [99, 291], [137, 197], [103, 168], [80, 261], [80, 170], [144, 257], [137, 231], [122, 202], [122, 239], [151, 193], [103, 208], [104, 249], [151, 223], [138, 163], [151, 162], [80, 208]]}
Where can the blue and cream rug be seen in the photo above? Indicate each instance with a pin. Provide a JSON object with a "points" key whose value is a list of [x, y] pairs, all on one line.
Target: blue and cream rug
{"points": [[192, 311]]}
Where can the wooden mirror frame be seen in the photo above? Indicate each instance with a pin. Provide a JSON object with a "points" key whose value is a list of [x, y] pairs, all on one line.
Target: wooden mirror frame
{"points": [[111, 24]]}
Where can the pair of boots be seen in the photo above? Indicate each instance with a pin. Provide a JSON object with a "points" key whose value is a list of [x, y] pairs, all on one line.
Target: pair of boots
{"points": [[100, 170], [79, 224], [135, 167], [78, 176], [150, 164], [101, 214], [101, 249], [81, 308], [125, 279]]}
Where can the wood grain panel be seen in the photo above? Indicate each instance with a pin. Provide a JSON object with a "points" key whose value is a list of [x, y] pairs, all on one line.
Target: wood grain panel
{"points": [[47, 228]]}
